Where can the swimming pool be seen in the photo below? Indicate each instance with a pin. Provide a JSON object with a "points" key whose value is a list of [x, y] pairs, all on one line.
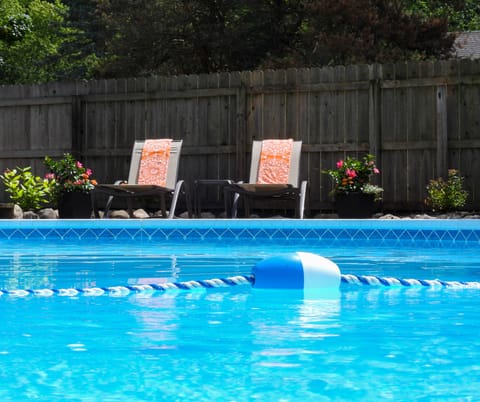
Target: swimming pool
{"points": [[237, 343]]}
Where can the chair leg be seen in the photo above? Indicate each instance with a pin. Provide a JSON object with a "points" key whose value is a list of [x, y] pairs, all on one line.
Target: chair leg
{"points": [[301, 199], [235, 202], [107, 207], [130, 207], [173, 205], [163, 205]]}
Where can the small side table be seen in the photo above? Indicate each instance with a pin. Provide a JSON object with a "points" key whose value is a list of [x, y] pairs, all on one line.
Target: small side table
{"points": [[198, 184]]}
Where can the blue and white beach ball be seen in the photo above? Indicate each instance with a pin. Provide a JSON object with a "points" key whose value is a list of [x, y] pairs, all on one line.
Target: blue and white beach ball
{"points": [[296, 271]]}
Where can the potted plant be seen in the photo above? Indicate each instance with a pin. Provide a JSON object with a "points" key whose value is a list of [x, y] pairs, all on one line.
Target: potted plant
{"points": [[73, 184], [27, 190], [354, 195], [446, 195]]}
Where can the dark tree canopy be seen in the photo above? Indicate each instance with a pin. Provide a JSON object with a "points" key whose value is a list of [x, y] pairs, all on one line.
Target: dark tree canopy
{"points": [[196, 36], [366, 31], [202, 36]]}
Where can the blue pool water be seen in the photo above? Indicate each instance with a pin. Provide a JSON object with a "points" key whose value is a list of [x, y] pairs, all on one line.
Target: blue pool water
{"points": [[237, 343]]}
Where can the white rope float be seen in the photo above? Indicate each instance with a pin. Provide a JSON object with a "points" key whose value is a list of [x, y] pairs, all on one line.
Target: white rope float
{"points": [[349, 279]]}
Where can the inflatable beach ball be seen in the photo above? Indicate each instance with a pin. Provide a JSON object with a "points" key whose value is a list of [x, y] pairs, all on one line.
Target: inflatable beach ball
{"points": [[296, 271]]}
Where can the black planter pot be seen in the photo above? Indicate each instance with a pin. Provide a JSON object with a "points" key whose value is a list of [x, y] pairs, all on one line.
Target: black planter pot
{"points": [[75, 205], [355, 205], [6, 210]]}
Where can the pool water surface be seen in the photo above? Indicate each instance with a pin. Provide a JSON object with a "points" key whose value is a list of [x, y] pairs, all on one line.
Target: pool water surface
{"points": [[237, 343]]}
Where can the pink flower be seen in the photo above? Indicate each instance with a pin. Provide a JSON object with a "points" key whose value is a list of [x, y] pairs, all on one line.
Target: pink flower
{"points": [[49, 176], [340, 164], [376, 171], [79, 165], [351, 173], [89, 172]]}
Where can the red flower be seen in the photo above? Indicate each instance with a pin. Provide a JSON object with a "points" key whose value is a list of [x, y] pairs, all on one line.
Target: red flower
{"points": [[351, 173]]}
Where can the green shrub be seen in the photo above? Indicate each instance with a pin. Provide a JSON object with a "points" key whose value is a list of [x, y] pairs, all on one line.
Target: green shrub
{"points": [[27, 190], [446, 195]]}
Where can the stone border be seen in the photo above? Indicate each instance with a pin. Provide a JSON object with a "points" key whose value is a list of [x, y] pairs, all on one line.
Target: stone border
{"points": [[50, 213]]}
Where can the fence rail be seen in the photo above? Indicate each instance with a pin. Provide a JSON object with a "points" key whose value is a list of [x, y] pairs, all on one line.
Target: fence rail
{"points": [[418, 118]]}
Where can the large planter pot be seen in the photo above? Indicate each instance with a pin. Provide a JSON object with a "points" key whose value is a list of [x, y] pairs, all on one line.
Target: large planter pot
{"points": [[75, 205], [355, 205], [6, 210]]}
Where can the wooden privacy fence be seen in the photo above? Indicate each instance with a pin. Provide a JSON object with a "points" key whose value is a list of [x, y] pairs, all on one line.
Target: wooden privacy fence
{"points": [[419, 119]]}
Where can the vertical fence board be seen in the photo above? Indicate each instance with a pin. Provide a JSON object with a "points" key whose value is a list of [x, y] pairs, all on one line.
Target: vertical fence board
{"points": [[255, 117], [227, 125], [274, 105]]}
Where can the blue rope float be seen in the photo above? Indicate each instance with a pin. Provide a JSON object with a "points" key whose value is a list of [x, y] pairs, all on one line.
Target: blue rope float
{"points": [[361, 280]]}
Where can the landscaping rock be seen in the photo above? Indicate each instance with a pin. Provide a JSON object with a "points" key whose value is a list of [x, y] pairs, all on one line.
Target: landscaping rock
{"points": [[423, 216], [158, 214], [140, 214], [388, 216], [119, 214], [48, 213], [17, 212], [30, 215]]}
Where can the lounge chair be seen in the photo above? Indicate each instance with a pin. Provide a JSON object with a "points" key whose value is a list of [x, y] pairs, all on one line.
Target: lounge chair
{"points": [[274, 174], [153, 173]]}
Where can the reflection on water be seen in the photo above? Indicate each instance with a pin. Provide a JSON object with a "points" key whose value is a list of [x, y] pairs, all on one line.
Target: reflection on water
{"points": [[263, 325], [17, 272]]}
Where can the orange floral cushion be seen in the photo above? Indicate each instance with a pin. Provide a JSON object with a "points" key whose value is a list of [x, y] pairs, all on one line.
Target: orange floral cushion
{"points": [[275, 161], [154, 162]]}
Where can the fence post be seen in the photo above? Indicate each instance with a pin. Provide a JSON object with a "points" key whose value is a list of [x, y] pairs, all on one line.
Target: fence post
{"points": [[241, 137], [441, 130], [77, 127], [374, 114]]}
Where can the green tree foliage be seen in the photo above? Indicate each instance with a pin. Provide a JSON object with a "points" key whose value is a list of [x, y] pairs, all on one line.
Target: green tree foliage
{"points": [[33, 34], [462, 15], [86, 42]]}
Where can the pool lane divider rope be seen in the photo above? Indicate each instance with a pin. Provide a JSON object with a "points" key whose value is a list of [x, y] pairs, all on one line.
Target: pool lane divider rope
{"points": [[362, 280], [386, 281]]}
